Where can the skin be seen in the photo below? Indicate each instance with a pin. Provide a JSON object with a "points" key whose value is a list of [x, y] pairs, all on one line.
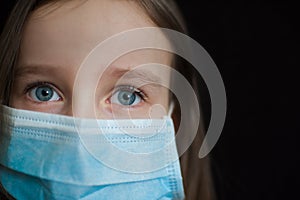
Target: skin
{"points": [[56, 41]]}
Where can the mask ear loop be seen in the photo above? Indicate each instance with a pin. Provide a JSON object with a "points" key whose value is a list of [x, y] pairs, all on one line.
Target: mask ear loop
{"points": [[171, 109]]}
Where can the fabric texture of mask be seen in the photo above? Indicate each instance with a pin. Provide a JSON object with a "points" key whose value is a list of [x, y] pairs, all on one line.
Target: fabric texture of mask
{"points": [[47, 156]]}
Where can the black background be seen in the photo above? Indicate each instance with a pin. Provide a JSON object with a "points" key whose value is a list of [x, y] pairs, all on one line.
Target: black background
{"points": [[255, 47]]}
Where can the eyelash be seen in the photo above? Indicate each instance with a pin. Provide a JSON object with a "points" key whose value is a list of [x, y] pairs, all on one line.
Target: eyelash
{"points": [[31, 86], [36, 84], [132, 89]]}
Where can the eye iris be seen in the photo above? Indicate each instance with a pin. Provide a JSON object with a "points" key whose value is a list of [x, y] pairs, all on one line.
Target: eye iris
{"points": [[44, 93], [126, 97]]}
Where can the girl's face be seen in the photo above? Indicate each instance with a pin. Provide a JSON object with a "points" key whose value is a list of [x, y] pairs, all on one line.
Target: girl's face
{"points": [[54, 44]]}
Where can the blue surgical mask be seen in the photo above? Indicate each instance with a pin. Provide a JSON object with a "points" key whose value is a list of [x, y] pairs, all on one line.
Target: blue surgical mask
{"points": [[47, 156]]}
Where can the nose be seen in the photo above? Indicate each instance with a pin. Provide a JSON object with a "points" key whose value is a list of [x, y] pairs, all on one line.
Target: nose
{"points": [[80, 110], [83, 104]]}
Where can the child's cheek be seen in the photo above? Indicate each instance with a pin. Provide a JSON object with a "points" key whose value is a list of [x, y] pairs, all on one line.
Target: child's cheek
{"points": [[57, 107]]}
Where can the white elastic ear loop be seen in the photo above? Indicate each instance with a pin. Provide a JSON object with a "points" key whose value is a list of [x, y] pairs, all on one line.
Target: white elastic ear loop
{"points": [[171, 109]]}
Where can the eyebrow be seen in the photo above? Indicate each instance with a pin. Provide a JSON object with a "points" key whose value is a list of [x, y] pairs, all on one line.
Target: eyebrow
{"points": [[35, 69], [145, 76]]}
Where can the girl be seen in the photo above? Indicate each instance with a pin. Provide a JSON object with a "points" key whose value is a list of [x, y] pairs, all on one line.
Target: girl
{"points": [[42, 48]]}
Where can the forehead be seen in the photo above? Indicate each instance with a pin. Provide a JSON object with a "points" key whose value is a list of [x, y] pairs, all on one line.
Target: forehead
{"points": [[65, 33]]}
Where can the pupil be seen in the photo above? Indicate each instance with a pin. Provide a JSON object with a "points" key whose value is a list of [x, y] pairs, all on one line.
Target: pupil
{"points": [[126, 98], [44, 93]]}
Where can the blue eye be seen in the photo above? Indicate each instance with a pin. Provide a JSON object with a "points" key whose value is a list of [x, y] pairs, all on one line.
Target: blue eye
{"points": [[126, 96], [44, 93]]}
